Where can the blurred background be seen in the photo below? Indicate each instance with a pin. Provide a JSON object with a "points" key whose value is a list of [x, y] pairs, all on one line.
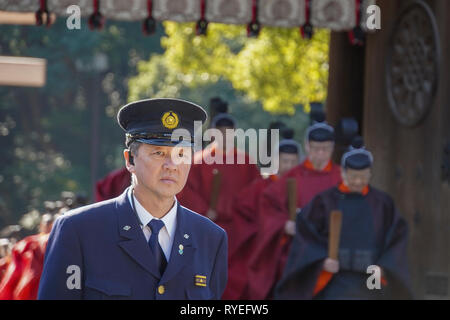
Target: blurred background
{"points": [[270, 60]]}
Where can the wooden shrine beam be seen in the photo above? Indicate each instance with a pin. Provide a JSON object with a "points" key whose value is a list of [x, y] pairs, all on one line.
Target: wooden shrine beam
{"points": [[22, 71], [21, 18]]}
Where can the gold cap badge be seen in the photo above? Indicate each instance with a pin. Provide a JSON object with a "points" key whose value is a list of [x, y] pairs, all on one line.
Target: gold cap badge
{"points": [[170, 120]]}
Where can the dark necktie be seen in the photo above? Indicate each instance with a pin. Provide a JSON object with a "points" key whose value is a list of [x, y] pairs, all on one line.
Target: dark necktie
{"points": [[156, 225]]}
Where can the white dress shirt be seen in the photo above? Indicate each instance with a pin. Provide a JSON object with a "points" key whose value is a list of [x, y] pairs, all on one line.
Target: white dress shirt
{"points": [[167, 233]]}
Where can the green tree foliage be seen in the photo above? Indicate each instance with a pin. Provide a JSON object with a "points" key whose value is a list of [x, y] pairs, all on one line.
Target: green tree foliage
{"points": [[278, 68], [156, 79], [273, 77]]}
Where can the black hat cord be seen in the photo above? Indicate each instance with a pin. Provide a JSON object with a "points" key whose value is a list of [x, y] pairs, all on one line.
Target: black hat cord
{"points": [[357, 36], [40, 14], [149, 23], [96, 20], [254, 27], [202, 23], [307, 30]]}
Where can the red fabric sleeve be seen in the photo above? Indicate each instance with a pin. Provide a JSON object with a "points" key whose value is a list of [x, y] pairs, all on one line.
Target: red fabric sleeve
{"points": [[269, 244], [322, 281], [21, 280], [112, 185], [192, 194]]}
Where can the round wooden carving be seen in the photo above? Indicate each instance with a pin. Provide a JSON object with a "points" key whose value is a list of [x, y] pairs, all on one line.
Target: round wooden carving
{"points": [[413, 64]]}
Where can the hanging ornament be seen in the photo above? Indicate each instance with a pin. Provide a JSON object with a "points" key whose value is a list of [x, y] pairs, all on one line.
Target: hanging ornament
{"points": [[254, 27], [149, 23], [307, 30], [96, 20], [202, 23], [357, 36], [40, 14]]}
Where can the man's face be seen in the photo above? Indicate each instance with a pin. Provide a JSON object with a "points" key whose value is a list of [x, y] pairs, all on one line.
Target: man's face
{"points": [[356, 180], [319, 153], [287, 162], [161, 170]]}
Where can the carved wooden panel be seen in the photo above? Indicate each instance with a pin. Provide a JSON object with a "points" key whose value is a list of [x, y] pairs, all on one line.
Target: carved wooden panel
{"points": [[413, 64]]}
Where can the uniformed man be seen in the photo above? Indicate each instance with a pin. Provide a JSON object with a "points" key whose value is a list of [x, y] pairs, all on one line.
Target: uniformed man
{"points": [[373, 234], [142, 244]]}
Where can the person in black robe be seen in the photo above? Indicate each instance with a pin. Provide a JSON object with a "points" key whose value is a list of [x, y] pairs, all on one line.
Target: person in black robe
{"points": [[372, 234]]}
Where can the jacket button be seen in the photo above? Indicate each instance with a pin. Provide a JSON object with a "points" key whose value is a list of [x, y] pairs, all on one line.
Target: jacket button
{"points": [[161, 289]]}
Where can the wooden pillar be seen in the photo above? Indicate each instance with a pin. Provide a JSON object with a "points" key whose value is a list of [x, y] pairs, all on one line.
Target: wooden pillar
{"points": [[345, 83], [345, 80], [408, 160]]}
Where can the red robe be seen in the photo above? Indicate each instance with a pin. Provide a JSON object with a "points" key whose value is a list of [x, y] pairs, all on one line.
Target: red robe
{"points": [[21, 279], [246, 226], [112, 185], [235, 177], [272, 244]]}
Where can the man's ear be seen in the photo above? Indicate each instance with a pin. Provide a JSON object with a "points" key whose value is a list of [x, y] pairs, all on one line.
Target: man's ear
{"points": [[129, 160]]}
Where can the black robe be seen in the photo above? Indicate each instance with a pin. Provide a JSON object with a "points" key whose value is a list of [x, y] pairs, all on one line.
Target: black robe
{"points": [[373, 233]]}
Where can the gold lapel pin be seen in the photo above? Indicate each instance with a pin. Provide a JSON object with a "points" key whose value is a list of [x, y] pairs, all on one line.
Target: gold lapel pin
{"points": [[180, 247]]}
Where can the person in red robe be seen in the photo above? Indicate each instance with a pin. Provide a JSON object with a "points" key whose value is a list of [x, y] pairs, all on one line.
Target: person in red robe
{"points": [[22, 276], [234, 177], [316, 174], [112, 185], [246, 218]]}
